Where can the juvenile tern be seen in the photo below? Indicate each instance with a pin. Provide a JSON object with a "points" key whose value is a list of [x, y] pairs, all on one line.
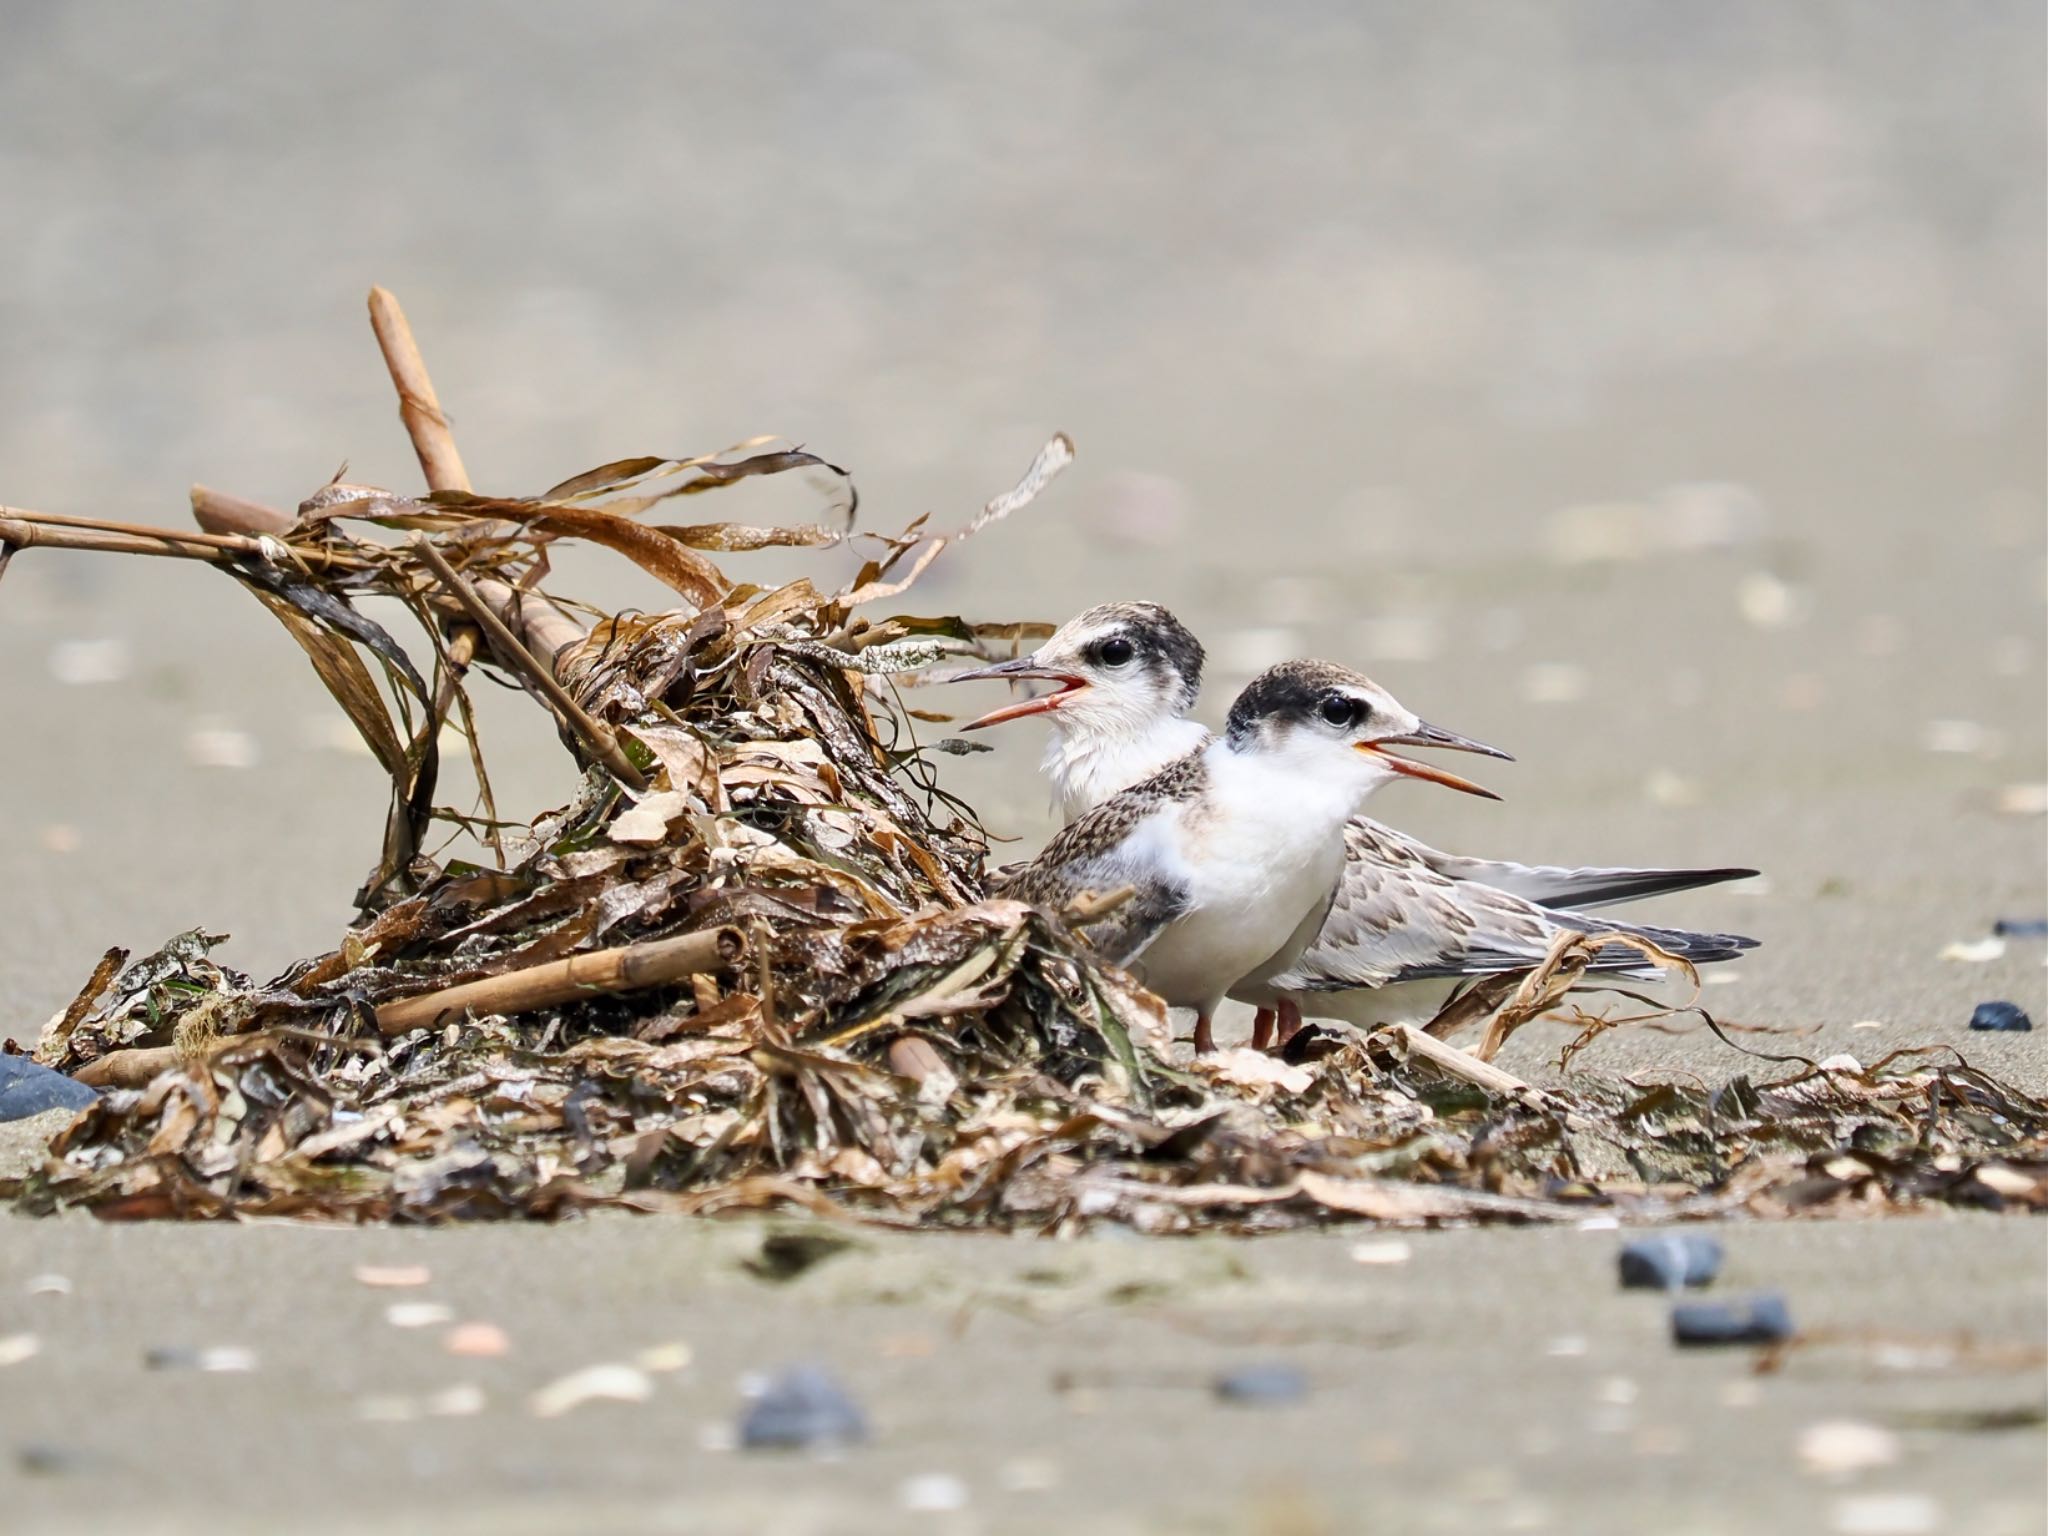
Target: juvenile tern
{"points": [[1410, 922], [1235, 851]]}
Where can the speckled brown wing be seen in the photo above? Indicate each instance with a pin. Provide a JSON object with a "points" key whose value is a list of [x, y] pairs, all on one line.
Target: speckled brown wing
{"points": [[1099, 853], [1398, 919], [1392, 916]]}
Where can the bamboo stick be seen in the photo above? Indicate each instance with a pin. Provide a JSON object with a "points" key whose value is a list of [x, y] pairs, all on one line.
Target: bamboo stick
{"points": [[23, 534], [237, 543], [625, 969], [418, 406], [28, 530], [597, 736]]}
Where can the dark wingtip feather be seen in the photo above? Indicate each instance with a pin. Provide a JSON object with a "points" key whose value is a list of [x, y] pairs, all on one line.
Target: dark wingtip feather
{"points": [[1638, 885]]}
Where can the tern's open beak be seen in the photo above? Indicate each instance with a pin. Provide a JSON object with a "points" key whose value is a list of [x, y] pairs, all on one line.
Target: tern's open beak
{"points": [[1426, 735], [1023, 667]]}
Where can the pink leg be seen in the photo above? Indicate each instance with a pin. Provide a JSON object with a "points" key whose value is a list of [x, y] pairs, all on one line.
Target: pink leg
{"points": [[1290, 1021], [1262, 1029], [1205, 1038]]}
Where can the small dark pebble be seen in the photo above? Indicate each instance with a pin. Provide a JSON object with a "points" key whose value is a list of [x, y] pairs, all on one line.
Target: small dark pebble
{"points": [[170, 1357], [40, 1459], [785, 1255], [2021, 927], [1761, 1319], [804, 1408], [1312, 1042], [2000, 1015], [28, 1088], [1670, 1261], [1263, 1385]]}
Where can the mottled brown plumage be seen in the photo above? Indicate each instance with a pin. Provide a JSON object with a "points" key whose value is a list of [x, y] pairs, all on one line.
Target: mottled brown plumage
{"points": [[1089, 856], [1398, 919]]}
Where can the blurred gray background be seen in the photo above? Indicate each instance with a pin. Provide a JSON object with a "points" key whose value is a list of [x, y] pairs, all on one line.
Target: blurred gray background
{"points": [[1657, 391]]}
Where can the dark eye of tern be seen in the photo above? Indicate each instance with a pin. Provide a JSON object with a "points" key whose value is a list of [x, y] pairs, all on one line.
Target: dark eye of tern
{"points": [[1116, 651], [1342, 711]]}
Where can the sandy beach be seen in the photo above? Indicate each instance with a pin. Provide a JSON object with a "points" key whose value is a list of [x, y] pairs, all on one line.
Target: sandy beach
{"points": [[1658, 395]]}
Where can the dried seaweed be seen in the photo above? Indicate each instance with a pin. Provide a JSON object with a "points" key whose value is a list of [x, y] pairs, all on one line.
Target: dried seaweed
{"points": [[758, 959]]}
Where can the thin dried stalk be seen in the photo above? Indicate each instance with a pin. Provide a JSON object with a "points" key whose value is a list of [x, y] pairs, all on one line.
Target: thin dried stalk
{"points": [[26, 530], [625, 969], [236, 543], [596, 735]]}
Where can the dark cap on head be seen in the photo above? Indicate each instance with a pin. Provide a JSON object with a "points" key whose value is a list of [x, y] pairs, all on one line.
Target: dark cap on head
{"points": [[1289, 691], [1158, 636]]}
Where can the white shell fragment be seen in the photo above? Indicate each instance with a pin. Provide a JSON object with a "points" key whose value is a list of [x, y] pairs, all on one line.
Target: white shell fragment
{"points": [[597, 1383], [663, 1358], [1964, 738], [1975, 952], [933, 1493], [1840, 1448], [393, 1274], [1392, 1250], [418, 1314], [2024, 800]]}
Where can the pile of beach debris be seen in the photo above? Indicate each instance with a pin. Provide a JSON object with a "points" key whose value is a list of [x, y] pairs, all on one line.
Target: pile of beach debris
{"points": [[756, 959]]}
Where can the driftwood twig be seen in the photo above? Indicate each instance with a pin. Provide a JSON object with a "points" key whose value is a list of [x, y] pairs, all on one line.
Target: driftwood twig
{"points": [[1463, 1064], [418, 406], [625, 969]]}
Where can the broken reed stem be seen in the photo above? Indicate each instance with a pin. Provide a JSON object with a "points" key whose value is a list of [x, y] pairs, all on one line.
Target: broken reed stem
{"points": [[1463, 1064], [136, 1067], [219, 512], [434, 444], [625, 969], [418, 406], [596, 735]]}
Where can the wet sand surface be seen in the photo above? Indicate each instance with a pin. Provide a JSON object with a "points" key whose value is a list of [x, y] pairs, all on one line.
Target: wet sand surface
{"points": [[1661, 400], [1495, 1381]]}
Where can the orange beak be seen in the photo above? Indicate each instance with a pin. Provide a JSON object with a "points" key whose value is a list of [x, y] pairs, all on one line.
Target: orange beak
{"points": [[1023, 667], [1426, 735]]}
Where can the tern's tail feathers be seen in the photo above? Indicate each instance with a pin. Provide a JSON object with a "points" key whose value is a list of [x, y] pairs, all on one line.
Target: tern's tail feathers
{"points": [[1549, 885], [1486, 959], [1699, 948]]}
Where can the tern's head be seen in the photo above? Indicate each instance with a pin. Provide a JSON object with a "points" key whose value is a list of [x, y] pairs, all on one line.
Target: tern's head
{"points": [[1117, 670], [1328, 722]]}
